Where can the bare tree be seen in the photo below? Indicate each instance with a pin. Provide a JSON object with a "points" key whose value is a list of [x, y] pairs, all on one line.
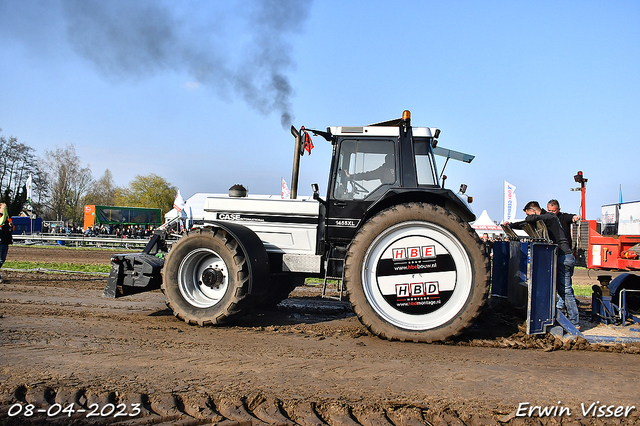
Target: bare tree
{"points": [[18, 162], [67, 184], [103, 191]]}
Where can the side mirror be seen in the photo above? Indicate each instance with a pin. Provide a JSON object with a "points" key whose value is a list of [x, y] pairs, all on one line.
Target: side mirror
{"points": [[316, 193]]}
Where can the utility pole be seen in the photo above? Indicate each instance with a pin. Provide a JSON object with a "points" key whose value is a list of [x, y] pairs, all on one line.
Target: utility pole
{"points": [[579, 178]]}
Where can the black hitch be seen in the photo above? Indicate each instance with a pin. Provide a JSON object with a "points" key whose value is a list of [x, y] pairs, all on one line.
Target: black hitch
{"points": [[133, 273]]}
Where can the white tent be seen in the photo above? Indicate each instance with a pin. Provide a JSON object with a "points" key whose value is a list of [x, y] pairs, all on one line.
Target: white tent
{"points": [[485, 224]]}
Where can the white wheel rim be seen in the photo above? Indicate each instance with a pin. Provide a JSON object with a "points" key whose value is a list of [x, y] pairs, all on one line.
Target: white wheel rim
{"points": [[190, 273], [411, 293]]}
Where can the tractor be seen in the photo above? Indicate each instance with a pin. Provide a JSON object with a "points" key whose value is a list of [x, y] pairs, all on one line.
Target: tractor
{"points": [[399, 242]]}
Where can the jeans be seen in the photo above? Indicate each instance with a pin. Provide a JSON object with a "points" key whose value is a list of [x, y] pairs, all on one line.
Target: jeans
{"points": [[4, 249], [566, 264]]}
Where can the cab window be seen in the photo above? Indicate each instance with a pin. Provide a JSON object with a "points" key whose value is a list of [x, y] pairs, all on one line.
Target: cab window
{"points": [[424, 162]]}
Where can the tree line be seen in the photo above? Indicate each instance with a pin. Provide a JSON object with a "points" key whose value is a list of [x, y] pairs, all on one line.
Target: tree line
{"points": [[62, 186]]}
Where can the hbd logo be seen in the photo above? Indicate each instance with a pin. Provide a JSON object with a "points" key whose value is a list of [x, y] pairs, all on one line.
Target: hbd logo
{"points": [[414, 253], [417, 289]]}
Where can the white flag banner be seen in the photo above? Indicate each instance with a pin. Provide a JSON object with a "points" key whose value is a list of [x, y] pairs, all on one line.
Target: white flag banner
{"points": [[179, 203], [29, 183], [510, 202], [286, 194]]}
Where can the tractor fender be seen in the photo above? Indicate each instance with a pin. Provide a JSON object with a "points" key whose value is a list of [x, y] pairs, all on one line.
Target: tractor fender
{"points": [[441, 197], [253, 248]]}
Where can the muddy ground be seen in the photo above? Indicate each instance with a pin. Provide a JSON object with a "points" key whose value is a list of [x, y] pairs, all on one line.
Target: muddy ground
{"points": [[307, 362]]}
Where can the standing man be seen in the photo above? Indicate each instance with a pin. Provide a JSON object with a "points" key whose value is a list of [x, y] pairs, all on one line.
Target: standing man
{"points": [[6, 233], [566, 261], [487, 243], [566, 219]]}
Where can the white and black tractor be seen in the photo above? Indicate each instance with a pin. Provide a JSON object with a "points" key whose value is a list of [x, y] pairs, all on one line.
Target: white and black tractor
{"points": [[412, 266]]}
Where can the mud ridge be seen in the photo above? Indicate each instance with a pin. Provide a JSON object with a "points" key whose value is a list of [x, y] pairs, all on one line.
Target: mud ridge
{"points": [[43, 405]]}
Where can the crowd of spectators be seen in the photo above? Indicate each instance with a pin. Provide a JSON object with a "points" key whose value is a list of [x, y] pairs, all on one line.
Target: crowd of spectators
{"points": [[117, 231], [120, 231]]}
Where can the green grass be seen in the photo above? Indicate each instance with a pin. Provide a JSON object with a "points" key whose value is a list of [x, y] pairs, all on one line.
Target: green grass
{"points": [[73, 267], [582, 290]]}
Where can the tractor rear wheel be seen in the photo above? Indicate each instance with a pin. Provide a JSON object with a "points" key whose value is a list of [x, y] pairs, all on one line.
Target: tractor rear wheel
{"points": [[416, 272], [206, 278]]}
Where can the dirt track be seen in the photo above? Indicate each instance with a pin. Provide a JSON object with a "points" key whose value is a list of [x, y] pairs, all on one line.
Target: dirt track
{"points": [[309, 362]]}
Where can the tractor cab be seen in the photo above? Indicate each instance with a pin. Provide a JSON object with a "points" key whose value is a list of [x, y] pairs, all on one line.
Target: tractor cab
{"points": [[380, 165]]}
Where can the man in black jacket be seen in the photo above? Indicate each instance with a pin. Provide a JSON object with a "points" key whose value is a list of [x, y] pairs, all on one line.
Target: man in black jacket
{"points": [[566, 261], [566, 219]]}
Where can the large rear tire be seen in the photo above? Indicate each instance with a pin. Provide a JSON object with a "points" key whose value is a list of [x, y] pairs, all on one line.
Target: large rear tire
{"points": [[416, 272], [206, 278]]}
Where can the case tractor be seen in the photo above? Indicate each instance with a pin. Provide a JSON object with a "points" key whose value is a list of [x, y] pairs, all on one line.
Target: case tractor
{"points": [[400, 242]]}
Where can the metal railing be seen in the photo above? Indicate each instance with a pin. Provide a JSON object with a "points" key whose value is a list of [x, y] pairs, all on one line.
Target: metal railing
{"points": [[81, 241]]}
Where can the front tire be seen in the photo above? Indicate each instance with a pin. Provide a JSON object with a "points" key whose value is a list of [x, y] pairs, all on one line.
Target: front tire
{"points": [[206, 278], [416, 272]]}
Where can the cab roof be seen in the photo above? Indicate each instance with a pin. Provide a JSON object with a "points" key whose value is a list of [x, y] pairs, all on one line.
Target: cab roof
{"points": [[376, 130]]}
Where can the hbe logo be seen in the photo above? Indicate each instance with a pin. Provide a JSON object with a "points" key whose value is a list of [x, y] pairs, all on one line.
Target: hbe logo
{"points": [[414, 253]]}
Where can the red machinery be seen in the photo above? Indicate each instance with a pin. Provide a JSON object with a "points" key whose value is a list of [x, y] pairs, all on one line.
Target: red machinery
{"points": [[613, 244], [612, 251]]}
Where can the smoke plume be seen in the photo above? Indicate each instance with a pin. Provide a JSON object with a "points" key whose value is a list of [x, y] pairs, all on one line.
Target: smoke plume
{"points": [[239, 49]]}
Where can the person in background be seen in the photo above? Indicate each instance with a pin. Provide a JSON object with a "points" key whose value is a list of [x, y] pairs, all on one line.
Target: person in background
{"points": [[6, 231], [566, 260], [487, 243]]}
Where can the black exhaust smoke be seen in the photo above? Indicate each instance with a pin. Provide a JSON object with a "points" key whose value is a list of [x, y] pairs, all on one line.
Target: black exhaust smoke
{"points": [[237, 48]]}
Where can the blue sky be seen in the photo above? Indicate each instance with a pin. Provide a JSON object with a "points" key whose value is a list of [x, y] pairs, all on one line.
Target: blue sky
{"points": [[535, 90]]}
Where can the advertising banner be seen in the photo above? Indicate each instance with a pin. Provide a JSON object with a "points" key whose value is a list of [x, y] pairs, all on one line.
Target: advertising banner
{"points": [[510, 203]]}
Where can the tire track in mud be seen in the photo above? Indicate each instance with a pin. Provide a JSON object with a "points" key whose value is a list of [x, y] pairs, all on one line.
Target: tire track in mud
{"points": [[82, 405], [79, 406]]}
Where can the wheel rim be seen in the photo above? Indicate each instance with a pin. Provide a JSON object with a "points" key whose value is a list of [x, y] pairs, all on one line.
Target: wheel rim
{"points": [[197, 267], [417, 275]]}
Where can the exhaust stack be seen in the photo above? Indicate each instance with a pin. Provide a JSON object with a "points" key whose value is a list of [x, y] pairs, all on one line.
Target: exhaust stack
{"points": [[297, 153]]}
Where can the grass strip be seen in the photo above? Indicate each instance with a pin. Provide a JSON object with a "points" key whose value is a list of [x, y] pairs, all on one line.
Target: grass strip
{"points": [[72, 267], [582, 290]]}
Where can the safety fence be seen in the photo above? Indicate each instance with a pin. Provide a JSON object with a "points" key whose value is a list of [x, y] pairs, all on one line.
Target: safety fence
{"points": [[81, 241]]}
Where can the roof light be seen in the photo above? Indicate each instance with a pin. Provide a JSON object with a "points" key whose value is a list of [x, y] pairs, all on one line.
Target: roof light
{"points": [[406, 115]]}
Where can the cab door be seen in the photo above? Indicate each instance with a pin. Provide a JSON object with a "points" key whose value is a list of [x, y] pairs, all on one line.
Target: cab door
{"points": [[363, 170]]}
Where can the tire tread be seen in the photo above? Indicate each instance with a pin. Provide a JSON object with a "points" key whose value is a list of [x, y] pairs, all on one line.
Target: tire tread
{"points": [[387, 331], [239, 304]]}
